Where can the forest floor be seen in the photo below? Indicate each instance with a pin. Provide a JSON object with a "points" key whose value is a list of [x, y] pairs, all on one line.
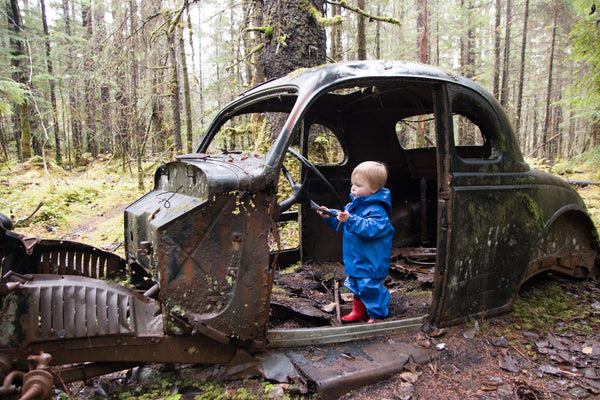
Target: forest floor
{"points": [[548, 347]]}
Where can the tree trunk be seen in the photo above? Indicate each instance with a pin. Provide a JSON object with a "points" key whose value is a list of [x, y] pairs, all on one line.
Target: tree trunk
{"points": [[546, 127], [186, 94], [522, 70], [361, 36], [17, 52], [174, 84], [25, 131], [506, 63], [336, 33], [423, 31], [73, 112], [259, 68], [50, 69], [496, 84], [378, 36], [90, 117], [297, 40], [201, 78]]}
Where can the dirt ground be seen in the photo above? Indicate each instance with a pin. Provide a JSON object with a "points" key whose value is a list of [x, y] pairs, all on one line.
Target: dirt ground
{"points": [[555, 357], [547, 348]]}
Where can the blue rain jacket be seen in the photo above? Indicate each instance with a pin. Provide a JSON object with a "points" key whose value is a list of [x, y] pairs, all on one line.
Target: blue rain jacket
{"points": [[368, 235]]}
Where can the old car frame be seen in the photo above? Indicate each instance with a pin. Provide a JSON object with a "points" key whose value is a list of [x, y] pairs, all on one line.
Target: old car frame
{"points": [[200, 250]]}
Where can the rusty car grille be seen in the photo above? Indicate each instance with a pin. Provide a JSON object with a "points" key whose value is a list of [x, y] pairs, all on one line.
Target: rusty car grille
{"points": [[68, 307]]}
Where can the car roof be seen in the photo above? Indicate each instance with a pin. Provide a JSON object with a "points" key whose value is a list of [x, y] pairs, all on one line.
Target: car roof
{"points": [[327, 75]]}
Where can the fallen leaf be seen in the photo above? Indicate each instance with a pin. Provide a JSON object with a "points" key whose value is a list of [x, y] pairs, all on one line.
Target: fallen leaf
{"points": [[405, 391], [549, 369], [436, 333], [410, 377], [508, 363], [500, 341]]}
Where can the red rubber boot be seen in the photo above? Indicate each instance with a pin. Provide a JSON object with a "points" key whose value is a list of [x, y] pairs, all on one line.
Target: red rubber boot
{"points": [[358, 313]]}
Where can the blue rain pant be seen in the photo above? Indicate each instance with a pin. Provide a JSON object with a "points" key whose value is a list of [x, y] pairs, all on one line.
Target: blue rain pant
{"points": [[372, 293]]}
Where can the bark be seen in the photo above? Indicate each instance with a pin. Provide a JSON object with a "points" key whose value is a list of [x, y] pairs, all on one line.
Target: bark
{"points": [[506, 63], [73, 112], [297, 40], [17, 52], [25, 131], [161, 130], [259, 68], [201, 79], [174, 83], [547, 125], [336, 34], [50, 69], [423, 29], [186, 94], [522, 69], [90, 119], [467, 42], [361, 36], [104, 132], [137, 132], [535, 127], [496, 84], [123, 118], [106, 112], [378, 35]]}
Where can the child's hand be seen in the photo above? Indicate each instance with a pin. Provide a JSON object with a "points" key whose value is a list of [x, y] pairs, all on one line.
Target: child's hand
{"points": [[322, 214], [343, 216]]}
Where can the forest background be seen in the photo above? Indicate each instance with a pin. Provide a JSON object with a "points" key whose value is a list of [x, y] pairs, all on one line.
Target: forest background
{"points": [[140, 80], [96, 93]]}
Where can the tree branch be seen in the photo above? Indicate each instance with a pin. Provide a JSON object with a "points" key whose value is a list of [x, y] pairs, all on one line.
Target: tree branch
{"points": [[357, 10]]}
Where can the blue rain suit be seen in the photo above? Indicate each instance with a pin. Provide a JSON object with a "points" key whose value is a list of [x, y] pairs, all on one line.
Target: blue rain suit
{"points": [[367, 249]]}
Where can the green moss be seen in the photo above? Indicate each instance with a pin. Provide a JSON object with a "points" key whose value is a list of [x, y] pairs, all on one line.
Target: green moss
{"points": [[544, 308], [533, 209]]}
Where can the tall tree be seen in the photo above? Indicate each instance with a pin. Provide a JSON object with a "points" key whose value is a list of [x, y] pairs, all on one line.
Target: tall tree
{"points": [[186, 93], [522, 69], [50, 69], [73, 111], [361, 36], [506, 61], [171, 30], [90, 100], [17, 57], [423, 31], [336, 33], [546, 139], [496, 83]]}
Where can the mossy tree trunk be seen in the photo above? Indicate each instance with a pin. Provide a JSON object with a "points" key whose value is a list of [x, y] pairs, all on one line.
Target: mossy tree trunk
{"points": [[296, 40], [25, 132]]}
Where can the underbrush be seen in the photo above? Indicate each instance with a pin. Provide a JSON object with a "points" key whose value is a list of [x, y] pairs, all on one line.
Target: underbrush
{"points": [[46, 201]]}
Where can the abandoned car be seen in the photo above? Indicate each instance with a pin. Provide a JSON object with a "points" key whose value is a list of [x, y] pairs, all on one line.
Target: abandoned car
{"points": [[208, 247]]}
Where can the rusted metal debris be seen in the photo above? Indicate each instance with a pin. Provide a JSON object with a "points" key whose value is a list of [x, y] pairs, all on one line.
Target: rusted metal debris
{"points": [[335, 370]]}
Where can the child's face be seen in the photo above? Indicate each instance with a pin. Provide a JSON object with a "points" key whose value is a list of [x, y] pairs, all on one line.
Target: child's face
{"points": [[361, 186]]}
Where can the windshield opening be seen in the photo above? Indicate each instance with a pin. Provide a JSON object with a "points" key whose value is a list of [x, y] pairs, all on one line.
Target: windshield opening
{"points": [[253, 127]]}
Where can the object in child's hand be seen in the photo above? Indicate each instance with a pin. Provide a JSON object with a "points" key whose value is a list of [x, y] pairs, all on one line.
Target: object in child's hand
{"points": [[324, 210]]}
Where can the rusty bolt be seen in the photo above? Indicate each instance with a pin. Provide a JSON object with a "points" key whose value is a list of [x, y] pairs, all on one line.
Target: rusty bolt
{"points": [[146, 248]]}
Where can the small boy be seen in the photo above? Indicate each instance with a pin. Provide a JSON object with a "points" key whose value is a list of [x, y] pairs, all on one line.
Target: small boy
{"points": [[367, 241]]}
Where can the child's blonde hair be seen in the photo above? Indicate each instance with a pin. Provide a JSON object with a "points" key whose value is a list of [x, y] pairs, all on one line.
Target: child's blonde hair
{"points": [[373, 171]]}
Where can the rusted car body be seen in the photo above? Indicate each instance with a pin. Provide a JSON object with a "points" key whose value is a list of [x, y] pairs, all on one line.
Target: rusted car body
{"points": [[203, 244]]}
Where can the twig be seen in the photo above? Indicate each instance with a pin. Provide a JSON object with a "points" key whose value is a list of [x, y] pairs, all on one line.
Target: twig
{"points": [[64, 386], [36, 210], [360, 11], [336, 297], [539, 146]]}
